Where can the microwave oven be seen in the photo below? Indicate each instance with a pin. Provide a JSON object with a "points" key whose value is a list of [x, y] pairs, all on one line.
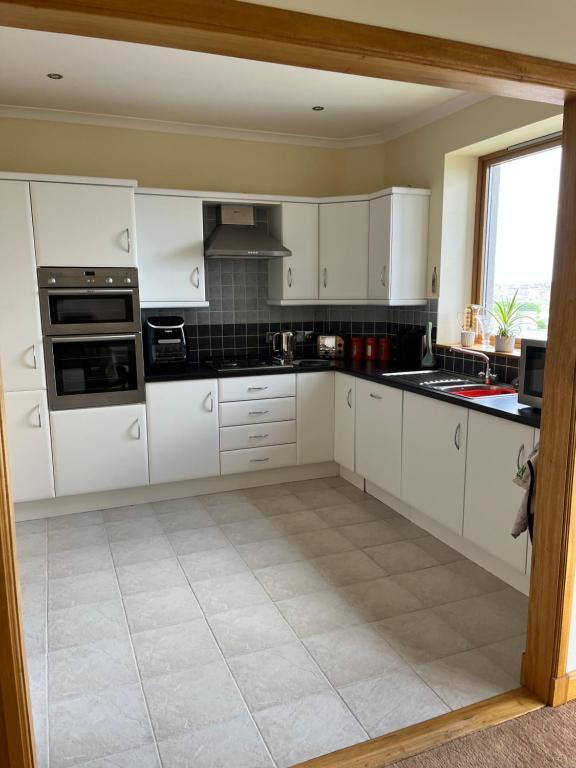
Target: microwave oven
{"points": [[531, 379]]}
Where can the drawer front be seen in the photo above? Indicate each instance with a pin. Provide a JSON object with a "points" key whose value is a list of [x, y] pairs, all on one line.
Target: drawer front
{"points": [[254, 459], [278, 433], [257, 387], [236, 414]]}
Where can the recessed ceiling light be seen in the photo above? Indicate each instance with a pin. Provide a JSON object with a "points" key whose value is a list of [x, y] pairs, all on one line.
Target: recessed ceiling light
{"points": [[318, 109], [54, 76]]}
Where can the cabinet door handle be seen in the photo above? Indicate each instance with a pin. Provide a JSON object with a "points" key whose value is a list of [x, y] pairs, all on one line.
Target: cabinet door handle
{"points": [[376, 397], [256, 461], [128, 243], [39, 412], [349, 398], [196, 280], [138, 430], [289, 277], [520, 457], [34, 358], [256, 389], [457, 433], [257, 413], [383, 276], [210, 399], [257, 437], [325, 276]]}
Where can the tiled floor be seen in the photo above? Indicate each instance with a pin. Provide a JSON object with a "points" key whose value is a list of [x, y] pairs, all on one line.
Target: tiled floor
{"points": [[254, 629]]}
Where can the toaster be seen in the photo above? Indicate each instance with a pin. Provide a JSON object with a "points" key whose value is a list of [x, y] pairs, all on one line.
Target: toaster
{"points": [[330, 346]]}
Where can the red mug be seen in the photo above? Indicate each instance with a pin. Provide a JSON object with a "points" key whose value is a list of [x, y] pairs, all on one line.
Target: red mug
{"points": [[384, 349], [370, 351], [356, 348]]}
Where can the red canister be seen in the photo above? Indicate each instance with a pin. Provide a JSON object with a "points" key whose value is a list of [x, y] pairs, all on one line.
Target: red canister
{"points": [[370, 351], [384, 349], [356, 348]]}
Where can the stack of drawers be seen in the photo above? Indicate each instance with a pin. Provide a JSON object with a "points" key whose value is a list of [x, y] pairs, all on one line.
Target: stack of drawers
{"points": [[257, 423]]}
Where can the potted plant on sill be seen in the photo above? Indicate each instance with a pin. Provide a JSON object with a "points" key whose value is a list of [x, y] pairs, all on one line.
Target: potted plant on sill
{"points": [[507, 314]]}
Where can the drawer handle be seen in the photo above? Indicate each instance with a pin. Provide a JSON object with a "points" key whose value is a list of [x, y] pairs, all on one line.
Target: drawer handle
{"points": [[256, 389], [376, 397], [257, 413], [39, 423], [257, 437], [210, 400], [256, 461], [520, 457], [138, 430], [457, 436]]}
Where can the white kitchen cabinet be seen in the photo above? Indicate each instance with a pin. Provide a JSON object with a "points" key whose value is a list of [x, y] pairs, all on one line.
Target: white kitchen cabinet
{"points": [[496, 448], [21, 357], [379, 435], [343, 261], [295, 277], [344, 420], [183, 438], [315, 416], [434, 458], [398, 246], [170, 250], [29, 449], [83, 225], [99, 449]]}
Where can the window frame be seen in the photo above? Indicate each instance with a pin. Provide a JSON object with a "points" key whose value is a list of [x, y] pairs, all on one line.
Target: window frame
{"points": [[485, 164]]}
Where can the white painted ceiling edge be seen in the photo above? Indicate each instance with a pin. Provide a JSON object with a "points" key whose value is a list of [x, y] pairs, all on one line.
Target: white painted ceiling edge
{"points": [[425, 117], [530, 27]]}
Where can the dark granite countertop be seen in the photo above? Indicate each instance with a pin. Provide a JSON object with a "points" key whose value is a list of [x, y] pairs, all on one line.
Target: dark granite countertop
{"points": [[503, 406]]}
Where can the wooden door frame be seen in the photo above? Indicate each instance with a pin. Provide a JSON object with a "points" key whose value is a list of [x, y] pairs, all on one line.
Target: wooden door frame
{"points": [[232, 28]]}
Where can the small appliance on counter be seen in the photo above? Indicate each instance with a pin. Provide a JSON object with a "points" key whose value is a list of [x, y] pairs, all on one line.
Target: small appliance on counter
{"points": [[532, 361], [356, 348], [410, 348], [283, 347], [384, 349], [165, 340], [330, 346], [370, 348]]}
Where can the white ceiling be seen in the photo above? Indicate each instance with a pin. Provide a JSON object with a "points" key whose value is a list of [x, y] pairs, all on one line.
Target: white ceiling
{"points": [[110, 78]]}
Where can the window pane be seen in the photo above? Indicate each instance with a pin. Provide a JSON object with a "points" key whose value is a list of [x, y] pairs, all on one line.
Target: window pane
{"points": [[520, 234]]}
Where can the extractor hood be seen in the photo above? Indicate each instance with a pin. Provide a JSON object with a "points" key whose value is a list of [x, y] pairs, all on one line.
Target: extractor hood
{"points": [[238, 236]]}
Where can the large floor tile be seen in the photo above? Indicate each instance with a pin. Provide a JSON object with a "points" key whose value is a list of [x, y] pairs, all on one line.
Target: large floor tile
{"points": [[31, 545], [323, 497], [226, 593], [250, 629], [73, 538], [170, 649], [124, 530], [279, 505], [249, 531], [146, 577], [277, 675], [448, 583], [441, 552], [161, 608], [466, 678], [234, 743], [488, 618], [74, 562], [318, 543], [301, 521], [422, 636], [86, 624], [401, 556], [288, 580], [406, 529], [371, 534], [38, 685], [90, 727], [379, 599], [87, 669], [352, 654], [302, 486], [261, 554], [185, 520], [134, 512], [83, 589], [347, 568], [266, 492], [33, 570], [192, 699], [309, 727], [76, 520], [319, 612], [346, 513], [143, 757], [393, 701], [35, 633], [198, 540], [141, 550], [214, 562], [32, 526], [507, 654], [235, 513], [178, 505]]}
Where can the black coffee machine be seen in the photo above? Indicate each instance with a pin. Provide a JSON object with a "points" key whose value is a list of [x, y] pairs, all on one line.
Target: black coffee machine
{"points": [[165, 340]]}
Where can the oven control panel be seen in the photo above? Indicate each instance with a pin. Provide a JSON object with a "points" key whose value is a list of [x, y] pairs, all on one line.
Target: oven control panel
{"points": [[79, 277]]}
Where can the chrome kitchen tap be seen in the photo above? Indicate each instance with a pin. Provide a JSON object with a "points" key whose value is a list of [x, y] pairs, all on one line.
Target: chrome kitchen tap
{"points": [[487, 375]]}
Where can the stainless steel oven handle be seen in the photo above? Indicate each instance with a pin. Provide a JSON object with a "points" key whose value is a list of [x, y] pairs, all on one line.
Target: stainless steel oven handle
{"points": [[107, 337], [88, 291]]}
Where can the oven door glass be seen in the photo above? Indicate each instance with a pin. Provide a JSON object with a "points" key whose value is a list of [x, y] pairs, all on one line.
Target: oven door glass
{"points": [[83, 308], [95, 370]]}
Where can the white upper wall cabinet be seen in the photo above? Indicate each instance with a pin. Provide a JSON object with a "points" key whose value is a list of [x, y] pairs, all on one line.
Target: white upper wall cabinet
{"points": [[83, 225], [398, 247], [170, 250], [295, 277], [344, 250], [21, 357]]}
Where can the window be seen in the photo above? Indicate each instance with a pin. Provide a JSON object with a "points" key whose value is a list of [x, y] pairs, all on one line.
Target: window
{"points": [[516, 230]]}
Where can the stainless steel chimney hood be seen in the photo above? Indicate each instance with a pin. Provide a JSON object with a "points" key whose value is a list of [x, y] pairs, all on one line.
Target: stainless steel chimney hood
{"points": [[237, 236]]}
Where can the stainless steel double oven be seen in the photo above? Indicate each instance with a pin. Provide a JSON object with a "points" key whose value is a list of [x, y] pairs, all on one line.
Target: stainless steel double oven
{"points": [[92, 336]]}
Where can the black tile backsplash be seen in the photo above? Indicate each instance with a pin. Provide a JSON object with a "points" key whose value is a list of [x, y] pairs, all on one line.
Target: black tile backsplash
{"points": [[504, 366], [238, 318]]}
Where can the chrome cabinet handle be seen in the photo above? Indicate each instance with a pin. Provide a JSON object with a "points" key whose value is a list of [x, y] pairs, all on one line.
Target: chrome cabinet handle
{"points": [[325, 276], [196, 282], [383, 276], [349, 398], [257, 437], [210, 399], [257, 413], [376, 397], [39, 416], [457, 433], [254, 461], [519, 458], [138, 430], [256, 389], [128, 244], [289, 277], [34, 359]]}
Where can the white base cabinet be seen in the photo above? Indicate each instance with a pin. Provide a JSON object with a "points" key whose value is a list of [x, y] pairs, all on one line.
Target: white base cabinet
{"points": [[496, 448], [99, 449], [315, 417], [434, 458], [345, 420], [379, 435], [29, 449], [183, 439]]}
